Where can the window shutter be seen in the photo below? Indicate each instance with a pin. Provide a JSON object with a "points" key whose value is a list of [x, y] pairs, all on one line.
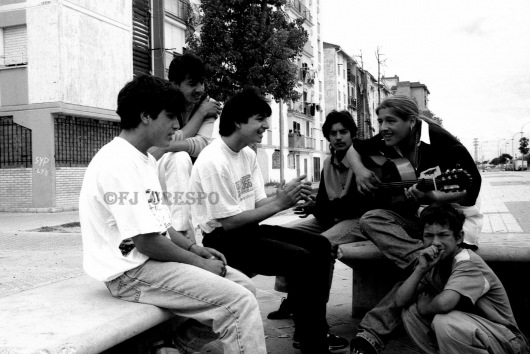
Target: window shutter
{"points": [[141, 37], [15, 46]]}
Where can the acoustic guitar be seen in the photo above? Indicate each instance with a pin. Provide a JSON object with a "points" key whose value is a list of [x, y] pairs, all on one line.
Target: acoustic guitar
{"points": [[399, 174]]}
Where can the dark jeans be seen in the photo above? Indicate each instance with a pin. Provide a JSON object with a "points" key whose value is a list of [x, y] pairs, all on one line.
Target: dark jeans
{"points": [[303, 257]]}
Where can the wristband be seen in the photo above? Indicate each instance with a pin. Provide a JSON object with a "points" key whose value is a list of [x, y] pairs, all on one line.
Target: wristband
{"points": [[190, 246]]}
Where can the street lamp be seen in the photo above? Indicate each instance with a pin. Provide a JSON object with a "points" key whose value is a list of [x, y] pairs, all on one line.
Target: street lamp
{"points": [[498, 148], [513, 150]]}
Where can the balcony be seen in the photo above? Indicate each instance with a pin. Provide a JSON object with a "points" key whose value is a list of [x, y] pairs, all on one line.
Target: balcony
{"points": [[304, 110], [178, 8], [301, 141], [301, 9], [352, 103]]}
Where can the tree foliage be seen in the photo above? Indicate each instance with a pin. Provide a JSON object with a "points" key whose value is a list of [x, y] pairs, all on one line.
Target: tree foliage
{"points": [[248, 43], [504, 158], [523, 145]]}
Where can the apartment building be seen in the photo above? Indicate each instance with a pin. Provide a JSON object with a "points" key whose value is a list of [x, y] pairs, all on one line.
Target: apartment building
{"points": [[62, 64], [304, 147]]}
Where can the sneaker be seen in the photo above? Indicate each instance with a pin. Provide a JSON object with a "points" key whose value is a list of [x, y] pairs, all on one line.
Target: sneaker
{"points": [[283, 312], [360, 345], [334, 342]]}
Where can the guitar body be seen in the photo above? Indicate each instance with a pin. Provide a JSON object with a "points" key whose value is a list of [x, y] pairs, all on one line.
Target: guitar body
{"points": [[391, 170], [396, 175]]}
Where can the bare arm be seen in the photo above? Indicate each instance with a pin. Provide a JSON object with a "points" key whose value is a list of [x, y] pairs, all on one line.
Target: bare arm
{"points": [[159, 247], [366, 179], [208, 108], [427, 259], [444, 302], [285, 198]]}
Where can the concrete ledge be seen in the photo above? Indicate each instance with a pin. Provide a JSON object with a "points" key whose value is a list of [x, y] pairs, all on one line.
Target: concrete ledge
{"points": [[512, 247], [373, 275], [77, 315], [37, 210]]}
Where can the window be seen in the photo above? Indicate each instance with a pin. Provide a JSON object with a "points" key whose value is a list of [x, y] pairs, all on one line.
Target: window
{"points": [[141, 37], [13, 47], [291, 160], [276, 159]]}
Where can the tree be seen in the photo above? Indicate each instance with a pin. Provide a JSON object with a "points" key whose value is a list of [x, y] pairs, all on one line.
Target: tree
{"points": [[249, 43], [504, 158], [523, 147]]}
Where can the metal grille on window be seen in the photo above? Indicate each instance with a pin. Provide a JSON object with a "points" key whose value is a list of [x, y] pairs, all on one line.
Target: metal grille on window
{"points": [[77, 140], [15, 144]]}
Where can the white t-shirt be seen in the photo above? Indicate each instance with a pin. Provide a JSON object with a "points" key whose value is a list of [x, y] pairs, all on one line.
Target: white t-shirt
{"points": [[225, 183], [120, 198]]}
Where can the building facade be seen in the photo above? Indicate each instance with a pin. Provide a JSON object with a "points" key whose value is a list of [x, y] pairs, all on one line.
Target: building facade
{"points": [[62, 64], [299, 123]]}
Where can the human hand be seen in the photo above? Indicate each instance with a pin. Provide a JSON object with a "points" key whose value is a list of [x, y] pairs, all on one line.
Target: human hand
{"points": [[429, 257], [366, 180], [209, 253], [214, 266], [424, 300], [210, 108], [289, 194], [303, 210]]}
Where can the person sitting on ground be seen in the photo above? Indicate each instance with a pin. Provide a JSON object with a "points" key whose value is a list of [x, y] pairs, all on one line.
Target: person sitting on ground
{"points": [[430, 150], [187, 72], [454, 302], [128, 241], [337, 206], [228, 176]]}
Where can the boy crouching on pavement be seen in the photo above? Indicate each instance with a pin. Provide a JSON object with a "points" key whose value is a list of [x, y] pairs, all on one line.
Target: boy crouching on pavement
{"points": [[456, 304], [129, 243]]}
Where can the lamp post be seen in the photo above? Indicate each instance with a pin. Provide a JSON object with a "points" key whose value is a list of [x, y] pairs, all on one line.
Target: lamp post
{"points": [[513, 150], [522, 157], [498, 148]]}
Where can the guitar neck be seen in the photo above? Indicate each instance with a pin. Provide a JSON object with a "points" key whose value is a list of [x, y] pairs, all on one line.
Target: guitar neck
{"points": [[425, 184]]}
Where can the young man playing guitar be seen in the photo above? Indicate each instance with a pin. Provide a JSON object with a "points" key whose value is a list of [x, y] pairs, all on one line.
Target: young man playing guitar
{"points": [[430, 149]]}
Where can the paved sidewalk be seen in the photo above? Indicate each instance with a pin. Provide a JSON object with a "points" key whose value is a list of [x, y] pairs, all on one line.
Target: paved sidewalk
{"points": [[30, 258]]}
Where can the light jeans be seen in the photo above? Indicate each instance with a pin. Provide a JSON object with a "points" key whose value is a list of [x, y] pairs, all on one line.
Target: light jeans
{"points": [[460, 332], [398, 238], [227, 305]]}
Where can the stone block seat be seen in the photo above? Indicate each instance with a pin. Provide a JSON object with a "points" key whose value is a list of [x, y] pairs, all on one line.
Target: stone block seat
{"points": [[508, 254], [78, 315]]}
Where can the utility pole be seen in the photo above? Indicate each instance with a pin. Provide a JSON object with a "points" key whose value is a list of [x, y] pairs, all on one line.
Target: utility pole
{"points": [[361, 119], [380, 62], [282, 168], [475, 144]]}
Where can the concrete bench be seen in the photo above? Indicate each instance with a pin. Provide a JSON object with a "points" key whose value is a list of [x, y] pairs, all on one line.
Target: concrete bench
{"points": [[77, 315], [507, 254]]}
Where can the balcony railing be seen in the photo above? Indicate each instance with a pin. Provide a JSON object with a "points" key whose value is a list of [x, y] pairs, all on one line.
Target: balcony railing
{"points": [[301, 9], [178, 8], [301, 141], [306, 108]]}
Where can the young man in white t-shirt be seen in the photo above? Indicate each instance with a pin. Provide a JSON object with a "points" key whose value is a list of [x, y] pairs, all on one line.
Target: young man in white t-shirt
{"points": [[228, 179], [175, 161], [128, 240]]}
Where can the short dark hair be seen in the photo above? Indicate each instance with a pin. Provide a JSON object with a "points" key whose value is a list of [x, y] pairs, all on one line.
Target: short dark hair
{"points": [[240, 107], [186, 65], [343, 117], [149, 95], [442, 214]]}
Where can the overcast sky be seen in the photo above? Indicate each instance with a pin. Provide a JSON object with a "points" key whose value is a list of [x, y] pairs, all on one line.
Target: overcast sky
{"points": [[474, 57]]}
